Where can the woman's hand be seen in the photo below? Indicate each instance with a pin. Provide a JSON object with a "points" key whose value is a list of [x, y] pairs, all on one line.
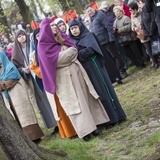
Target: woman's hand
{"points": [[27, 70]]}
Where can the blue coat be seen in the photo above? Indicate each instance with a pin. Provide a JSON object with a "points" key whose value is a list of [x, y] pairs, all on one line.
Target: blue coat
{"points": [[102, 28]]}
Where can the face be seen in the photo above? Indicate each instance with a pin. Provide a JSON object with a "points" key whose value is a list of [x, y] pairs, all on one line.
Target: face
{"points": [[118, 3], [21, 38], [37, 35], [107, 8], [53, 27], [62, 27], [133, 12], [90, 11], [75, 31], [141, 4], [87, 23], [118, 13]]}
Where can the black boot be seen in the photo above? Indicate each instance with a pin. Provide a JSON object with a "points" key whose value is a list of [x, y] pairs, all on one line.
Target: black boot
{"points": [[156, 66], [87, 137], [55, 131], [124, 75], [37, 141], [97, 132], [119, 81]]}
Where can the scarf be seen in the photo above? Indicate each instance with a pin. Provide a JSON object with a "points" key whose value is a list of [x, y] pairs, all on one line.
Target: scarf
{"points": [[48, 51]]}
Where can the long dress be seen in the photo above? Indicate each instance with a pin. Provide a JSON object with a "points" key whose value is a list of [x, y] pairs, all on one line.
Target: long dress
{"points": [[77, 95], [20, 57], [65, 127], [20, 98], [91, 58]]}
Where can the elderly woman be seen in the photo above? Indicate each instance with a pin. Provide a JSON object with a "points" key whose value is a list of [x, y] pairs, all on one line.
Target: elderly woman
{"points": [[122, 26]]}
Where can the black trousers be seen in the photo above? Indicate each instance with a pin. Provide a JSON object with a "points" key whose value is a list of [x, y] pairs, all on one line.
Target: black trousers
{"points": [[134, 54], [112, 49], [149, 49]]}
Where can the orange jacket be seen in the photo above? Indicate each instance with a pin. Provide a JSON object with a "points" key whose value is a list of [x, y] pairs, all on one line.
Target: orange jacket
{"points": [[35, 69]]}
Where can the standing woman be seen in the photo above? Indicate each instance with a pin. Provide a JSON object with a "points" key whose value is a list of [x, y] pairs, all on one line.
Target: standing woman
{"points": [[91, 58], [122, 26], [63, 74], [46, 111], [61, 25], [20, 57], [17, 94]]}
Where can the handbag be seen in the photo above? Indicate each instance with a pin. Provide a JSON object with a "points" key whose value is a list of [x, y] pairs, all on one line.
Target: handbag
{"points": [[155, 46], [124, 38]]}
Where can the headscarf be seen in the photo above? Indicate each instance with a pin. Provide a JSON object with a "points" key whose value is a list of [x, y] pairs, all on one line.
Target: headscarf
{"points": [[48, 51], [35, 32], [60, 20], [86, 38], [18, 57], [9, 70]]}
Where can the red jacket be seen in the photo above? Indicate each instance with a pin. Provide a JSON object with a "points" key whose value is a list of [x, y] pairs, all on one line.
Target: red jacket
{"points": [[126, 10]]}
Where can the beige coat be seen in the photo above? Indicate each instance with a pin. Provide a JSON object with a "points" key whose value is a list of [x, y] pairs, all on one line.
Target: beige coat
{"points": [[77, 95], [24, 102]]}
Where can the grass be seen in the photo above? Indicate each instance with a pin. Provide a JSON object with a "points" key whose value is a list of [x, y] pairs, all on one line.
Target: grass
{"points": [[140, 98]]}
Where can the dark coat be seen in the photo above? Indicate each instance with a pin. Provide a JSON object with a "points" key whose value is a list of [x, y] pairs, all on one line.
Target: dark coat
{"points": [[110, 14], [102, 28], [91, 58], [146, 22], [151, 6]]}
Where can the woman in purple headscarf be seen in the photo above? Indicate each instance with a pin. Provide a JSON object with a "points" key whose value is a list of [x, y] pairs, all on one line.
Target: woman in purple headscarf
{"points": [[63, 74]]}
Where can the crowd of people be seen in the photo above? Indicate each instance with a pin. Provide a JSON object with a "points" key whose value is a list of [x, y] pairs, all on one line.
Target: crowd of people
{"points": [[66, 71]]}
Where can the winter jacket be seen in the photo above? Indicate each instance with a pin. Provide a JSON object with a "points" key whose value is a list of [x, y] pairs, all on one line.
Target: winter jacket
{"points": [[152, 6], [102, 28]]}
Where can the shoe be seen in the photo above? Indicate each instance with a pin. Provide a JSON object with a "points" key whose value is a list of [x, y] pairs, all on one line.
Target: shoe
{"points": [[37, 141], [124, 75], [140, 67], [87, 137], [55, 131], [97, 132], [119, 81], [156, 66], [152, 64]]}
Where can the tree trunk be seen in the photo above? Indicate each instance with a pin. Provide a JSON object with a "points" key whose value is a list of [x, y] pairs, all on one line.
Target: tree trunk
{"points": [[2, 153], [24, 11], [34, 8], [77, 6], [64, 5], [4, 23], [14, 145], [45, 14]]}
